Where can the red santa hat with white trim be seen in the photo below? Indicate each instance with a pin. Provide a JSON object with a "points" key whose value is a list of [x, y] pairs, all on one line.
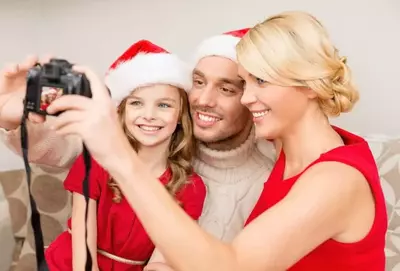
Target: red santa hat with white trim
{"points": [[145, 63], [223, 45]]}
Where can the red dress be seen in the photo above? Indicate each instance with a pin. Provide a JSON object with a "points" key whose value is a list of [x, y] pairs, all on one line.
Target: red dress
{"points": [[119, 230], [365, 255]]}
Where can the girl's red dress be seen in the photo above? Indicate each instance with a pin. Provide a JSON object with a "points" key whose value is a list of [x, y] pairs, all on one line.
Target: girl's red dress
{"points": [[364, 255], [119, 230]]}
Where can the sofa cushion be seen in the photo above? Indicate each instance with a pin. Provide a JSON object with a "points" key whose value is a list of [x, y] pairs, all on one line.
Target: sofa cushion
{"points": [[54, 205], [15, 188], [6, 233], [387, 156]]}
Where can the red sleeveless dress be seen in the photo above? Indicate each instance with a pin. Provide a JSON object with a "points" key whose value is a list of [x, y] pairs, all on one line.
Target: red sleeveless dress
{"points": [[364, 255], [119, 230]]}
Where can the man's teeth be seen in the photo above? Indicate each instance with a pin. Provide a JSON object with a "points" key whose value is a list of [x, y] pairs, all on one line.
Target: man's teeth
{"points": [[208, 118], [149, 128], [260, 114]]}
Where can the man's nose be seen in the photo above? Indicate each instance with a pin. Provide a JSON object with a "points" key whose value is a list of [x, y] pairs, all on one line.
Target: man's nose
{"points": [[207, 97]]}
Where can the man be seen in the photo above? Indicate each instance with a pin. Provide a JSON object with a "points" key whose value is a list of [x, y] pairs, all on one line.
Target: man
{"points": [[233, 165]]}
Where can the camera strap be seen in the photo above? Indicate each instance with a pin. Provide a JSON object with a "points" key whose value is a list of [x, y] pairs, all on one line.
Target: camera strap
{"points": [[88, 165], [35, 216]]}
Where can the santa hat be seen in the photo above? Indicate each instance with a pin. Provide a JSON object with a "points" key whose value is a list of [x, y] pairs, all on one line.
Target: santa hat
{"points": [[221, 45], [145, 63]]}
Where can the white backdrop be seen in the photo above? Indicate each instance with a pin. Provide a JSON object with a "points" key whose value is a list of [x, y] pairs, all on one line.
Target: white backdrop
{"points": [[95, 32]]}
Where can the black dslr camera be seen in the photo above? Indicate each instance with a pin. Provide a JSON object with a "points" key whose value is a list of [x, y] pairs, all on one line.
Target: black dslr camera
{"points": [[52, 80]]}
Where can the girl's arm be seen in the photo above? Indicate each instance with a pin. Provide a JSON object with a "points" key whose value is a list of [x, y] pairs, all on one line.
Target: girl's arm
{"points": [[78, 232], [157, 263], [157, 257]]}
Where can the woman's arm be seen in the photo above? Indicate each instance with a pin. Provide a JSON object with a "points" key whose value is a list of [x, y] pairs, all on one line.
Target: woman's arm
{"points": [[45, 146], [318, 208], [78, 232]]}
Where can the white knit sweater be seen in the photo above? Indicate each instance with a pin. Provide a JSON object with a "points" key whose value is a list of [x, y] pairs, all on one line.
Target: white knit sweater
{"points": [[234, 181], [234, 178]]}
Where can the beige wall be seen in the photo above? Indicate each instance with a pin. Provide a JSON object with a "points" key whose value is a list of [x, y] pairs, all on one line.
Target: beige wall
{"points": [[95, 32]]}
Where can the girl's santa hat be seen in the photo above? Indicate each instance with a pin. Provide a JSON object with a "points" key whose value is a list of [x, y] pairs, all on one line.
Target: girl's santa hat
{"points": [[145, 63], [221, 45]]}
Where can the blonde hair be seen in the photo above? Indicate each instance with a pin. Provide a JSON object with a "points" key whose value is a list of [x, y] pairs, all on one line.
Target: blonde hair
{"points": [[181, 148], [294, 49]]}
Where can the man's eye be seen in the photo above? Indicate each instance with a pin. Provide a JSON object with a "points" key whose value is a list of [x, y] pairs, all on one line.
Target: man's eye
{"points": [[198, 82], [224, 89]]}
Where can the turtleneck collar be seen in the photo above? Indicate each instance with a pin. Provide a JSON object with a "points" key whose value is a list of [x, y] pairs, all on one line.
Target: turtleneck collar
{"points": [[243, 164], [230, 158]]}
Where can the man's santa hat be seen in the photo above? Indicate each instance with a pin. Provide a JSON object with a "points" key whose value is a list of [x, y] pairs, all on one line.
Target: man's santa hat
{"points": [[221, 45], [145, 63]]}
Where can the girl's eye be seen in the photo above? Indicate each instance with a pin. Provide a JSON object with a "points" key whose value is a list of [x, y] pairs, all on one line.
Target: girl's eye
{"points": [[164, 105], [135, 103], [260, 81]]}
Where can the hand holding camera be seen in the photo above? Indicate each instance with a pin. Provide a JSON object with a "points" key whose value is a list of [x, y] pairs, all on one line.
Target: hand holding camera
{"points": [[12, 93], [50, 81], [89, 113]]}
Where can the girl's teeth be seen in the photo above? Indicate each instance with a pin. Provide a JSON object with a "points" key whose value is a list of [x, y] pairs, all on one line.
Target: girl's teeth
{"points": [[208, 118], [149, 128]]}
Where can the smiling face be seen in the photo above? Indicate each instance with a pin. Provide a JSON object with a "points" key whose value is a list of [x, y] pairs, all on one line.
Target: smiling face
{"points": [[275, 109], [218, 116], [152, 114], [302, 75]]}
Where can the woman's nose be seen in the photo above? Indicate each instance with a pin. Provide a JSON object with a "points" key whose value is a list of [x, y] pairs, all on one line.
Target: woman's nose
{"points": [[248, 97]]}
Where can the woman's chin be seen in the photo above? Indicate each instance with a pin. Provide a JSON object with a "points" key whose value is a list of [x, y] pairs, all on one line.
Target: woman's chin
{"points": [[265, 133]]}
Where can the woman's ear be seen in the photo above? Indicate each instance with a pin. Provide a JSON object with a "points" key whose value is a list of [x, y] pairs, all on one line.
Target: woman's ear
{"points": [[311, 94]]}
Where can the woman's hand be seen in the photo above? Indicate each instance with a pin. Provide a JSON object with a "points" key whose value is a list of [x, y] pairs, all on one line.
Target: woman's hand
{"points": [[12, 93], [95, 120]]}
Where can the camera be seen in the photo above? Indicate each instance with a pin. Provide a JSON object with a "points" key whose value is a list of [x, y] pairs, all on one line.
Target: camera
{"points": [[48, 82]]}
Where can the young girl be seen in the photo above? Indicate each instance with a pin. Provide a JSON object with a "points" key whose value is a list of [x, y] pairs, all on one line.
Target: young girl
{"points": [[155, 117]]}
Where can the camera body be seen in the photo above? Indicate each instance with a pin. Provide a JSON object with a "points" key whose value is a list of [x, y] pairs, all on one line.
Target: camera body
{"points": [[52, 80]]}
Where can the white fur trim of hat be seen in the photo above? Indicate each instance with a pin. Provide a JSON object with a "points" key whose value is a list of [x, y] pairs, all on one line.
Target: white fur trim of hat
{"points": [[145, 63], [223, 45]]}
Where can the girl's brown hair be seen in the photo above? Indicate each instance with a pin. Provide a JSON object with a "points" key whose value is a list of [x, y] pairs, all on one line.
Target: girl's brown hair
{"points": [[181, 148]]}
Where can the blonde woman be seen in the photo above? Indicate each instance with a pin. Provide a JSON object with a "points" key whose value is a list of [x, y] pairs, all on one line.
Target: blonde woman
{"points": [[322, 208]]}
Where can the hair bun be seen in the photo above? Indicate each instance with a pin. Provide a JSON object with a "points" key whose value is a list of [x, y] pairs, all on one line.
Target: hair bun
{"points": [[345, 94]]}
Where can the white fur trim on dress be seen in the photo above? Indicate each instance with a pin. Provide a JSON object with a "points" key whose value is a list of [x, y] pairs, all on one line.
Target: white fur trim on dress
{"points": [[222, 45], [147, 69]]}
